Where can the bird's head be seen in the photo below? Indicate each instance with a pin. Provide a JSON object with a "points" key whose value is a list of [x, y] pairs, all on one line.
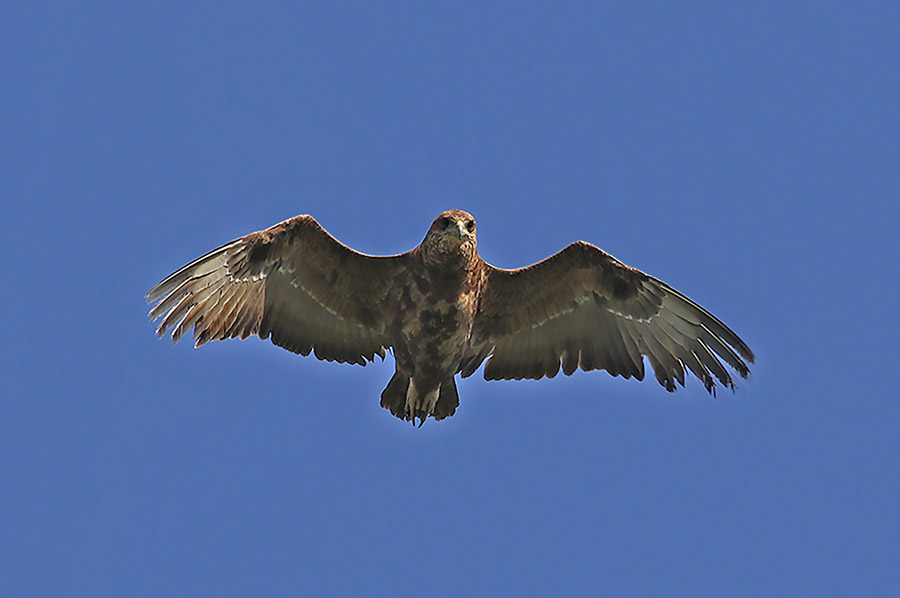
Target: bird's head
{"points": [[452, 232]]}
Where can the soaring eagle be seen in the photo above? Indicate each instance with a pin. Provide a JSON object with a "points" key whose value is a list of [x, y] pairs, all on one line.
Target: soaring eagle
{"points": [[442, 310]]}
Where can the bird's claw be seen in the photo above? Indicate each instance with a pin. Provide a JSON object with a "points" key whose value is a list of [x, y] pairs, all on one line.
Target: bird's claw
{"points": [[420, 408]]}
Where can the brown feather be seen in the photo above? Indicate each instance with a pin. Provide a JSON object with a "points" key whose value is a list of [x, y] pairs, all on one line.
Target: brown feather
{"points": [[292, 282], [596, 313]]}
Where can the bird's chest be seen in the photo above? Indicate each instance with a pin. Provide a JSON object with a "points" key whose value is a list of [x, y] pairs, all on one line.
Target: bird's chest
{"points": [[436, 316]]}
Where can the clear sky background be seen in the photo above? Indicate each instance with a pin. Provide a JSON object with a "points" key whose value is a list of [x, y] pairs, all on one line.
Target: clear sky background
{"points": [[746, 153]]}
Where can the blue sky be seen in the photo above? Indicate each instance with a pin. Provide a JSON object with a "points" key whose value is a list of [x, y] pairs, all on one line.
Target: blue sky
{"points": [[745, 153]]}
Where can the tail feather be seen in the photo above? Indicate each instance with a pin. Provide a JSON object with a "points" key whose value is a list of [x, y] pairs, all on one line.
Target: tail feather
{"points": [[394, 398], [448, 401]]}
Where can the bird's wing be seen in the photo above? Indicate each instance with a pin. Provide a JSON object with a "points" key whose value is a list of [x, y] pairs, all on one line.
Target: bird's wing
{"points": [[583, 308], [292, 282]]}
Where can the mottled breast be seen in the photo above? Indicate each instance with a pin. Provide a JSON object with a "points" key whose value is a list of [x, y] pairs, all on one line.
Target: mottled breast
{"points": [[437, 315]]}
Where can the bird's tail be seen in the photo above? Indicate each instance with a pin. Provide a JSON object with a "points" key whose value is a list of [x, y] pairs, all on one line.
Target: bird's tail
{"points": [[396, 396], [393, 397], [448, 401]]}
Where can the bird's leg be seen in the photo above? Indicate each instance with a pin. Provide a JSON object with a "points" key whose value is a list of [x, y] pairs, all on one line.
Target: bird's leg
{"points": [[418, 405], [411, 399], [429, 401]]}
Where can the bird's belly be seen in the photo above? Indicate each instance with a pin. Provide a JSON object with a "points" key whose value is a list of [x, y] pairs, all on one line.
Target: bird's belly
{"points": [[434, 338]]}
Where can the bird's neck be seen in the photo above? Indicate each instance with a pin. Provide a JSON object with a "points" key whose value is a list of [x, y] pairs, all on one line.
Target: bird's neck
{"points": [[453, 265], [447, 255]]}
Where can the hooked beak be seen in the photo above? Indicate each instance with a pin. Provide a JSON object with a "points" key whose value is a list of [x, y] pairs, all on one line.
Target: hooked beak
{"points": [[457, 229]]}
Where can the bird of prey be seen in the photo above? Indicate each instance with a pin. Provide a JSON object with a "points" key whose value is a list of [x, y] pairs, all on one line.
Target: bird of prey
{"points": [[442, 311]]}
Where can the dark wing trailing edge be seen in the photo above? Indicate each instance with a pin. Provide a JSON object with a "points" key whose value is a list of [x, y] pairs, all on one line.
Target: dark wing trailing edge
{"points": [[292, 282], [582, 308]]}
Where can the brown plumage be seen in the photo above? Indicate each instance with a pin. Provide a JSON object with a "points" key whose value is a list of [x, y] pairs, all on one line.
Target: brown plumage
{"points": [[443, 310]]}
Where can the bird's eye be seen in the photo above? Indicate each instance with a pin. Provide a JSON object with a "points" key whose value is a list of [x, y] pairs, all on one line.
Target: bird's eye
{"points": [[445, 222], [470, 225]]}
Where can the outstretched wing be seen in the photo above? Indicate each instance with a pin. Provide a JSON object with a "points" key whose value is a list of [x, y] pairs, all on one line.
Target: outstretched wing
{"points": [[293, 283], [583, 308]]}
